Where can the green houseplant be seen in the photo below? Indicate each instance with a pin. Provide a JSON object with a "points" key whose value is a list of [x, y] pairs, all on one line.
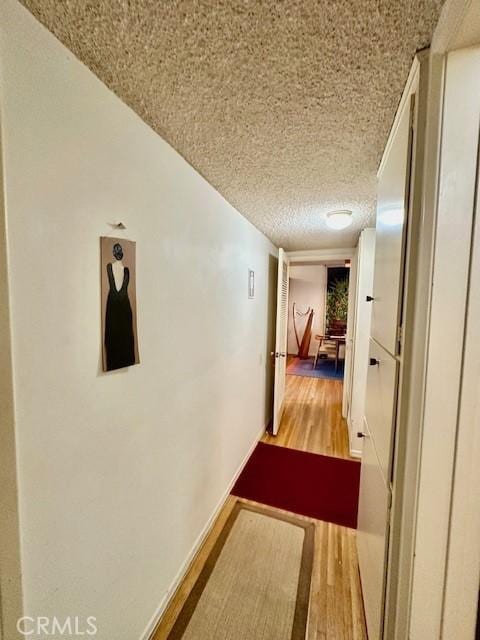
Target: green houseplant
{"points": [[337, 302]]}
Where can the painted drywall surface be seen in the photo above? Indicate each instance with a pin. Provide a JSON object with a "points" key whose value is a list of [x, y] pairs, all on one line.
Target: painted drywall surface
{"points": [[307, 289], [118, 473]]}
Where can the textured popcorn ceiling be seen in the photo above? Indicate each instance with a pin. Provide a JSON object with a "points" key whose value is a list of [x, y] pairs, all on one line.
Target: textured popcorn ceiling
{"points": [[284, 107]]}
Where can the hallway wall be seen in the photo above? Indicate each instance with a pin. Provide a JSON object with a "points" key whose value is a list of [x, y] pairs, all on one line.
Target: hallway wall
{"points": [[119, 473]]}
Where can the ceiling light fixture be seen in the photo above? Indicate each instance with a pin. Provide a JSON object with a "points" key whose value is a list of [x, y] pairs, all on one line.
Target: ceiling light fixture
{"points": [[339, 219]]}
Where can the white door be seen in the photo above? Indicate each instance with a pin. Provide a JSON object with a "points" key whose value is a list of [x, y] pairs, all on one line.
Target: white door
{"points": [[280, 353], [392, 192], [365, 267], [382, 377]]}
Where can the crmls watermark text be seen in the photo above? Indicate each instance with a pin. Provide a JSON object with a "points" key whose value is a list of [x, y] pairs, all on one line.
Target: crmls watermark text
{"points": [[71, 626]]}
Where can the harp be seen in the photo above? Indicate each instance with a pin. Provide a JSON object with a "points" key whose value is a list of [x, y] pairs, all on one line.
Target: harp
{"points": [[304, 345]]}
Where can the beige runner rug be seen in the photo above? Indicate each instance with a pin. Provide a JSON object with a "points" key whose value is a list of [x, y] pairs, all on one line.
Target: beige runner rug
{"points": [[255, 584]]}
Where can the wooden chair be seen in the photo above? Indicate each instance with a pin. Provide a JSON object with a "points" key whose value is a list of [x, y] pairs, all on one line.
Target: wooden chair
{"points": [[336, 328], [317, 353]]}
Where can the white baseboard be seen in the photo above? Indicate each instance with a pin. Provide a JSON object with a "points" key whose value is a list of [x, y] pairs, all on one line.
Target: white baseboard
{"points": [[355, 453], [155, 619]]}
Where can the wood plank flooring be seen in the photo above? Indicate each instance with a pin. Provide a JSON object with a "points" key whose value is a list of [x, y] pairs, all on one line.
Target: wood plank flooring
{"points": [[312, 419], [312, 422], [336, 610]]}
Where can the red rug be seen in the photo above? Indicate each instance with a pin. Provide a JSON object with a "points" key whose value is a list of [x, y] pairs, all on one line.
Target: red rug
{"points": [[306, 483]]}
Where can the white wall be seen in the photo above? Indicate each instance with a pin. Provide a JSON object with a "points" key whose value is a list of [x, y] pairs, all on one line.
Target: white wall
{"points": [[307, 289], [118, 473]]}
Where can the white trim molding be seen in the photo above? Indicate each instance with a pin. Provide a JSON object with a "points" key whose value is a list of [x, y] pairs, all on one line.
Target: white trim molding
{"points": [[316, 255], [452, 263]]}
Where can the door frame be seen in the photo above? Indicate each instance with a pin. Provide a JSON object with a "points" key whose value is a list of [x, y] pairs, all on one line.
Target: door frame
{"points": [[11, 586], [411, 371], [327, 255], [462, 576], [409, 608], [431, 599], [413, 328]]}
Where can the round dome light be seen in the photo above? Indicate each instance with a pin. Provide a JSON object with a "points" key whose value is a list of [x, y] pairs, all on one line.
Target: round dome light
{"points": [[339, 219]]}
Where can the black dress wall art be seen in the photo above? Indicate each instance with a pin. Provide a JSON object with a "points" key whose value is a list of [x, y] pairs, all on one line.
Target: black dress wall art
{"points": [[119, 304]]}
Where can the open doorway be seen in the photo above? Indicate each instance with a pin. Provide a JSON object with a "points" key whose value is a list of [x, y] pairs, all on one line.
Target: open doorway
{"points": [[317, 319], [304, 466], [314, 355]]}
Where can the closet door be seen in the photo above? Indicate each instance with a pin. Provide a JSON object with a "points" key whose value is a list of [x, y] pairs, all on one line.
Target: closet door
{"points": [[372, 535], [392, 202], [383, 366], [380, 408]]}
